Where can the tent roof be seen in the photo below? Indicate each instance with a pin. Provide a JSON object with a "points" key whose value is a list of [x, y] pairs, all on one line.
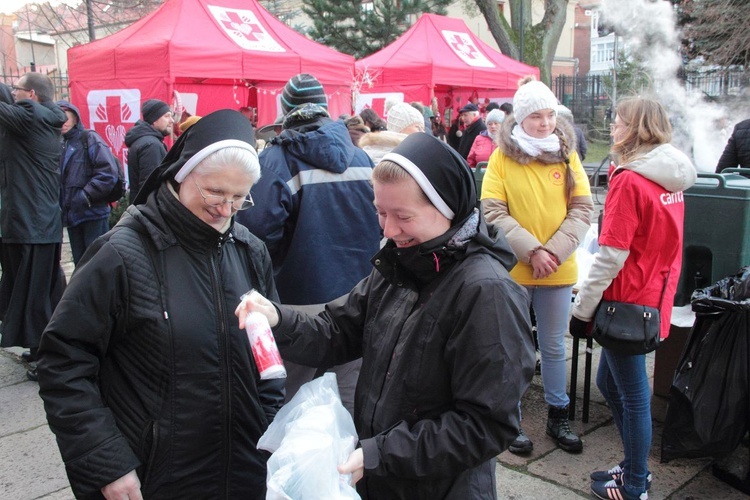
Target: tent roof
{"points": [[207, 40], [441, 50]]}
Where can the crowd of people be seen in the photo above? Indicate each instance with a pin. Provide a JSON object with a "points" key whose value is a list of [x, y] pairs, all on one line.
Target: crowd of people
{"points": [[373, 256]]}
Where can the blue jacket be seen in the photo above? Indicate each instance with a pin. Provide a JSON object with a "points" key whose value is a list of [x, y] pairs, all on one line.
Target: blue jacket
{"points": [[84, 187], [314, 210]]}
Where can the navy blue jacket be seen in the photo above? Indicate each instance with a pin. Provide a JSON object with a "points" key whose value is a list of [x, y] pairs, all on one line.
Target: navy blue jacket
{"points": [[84, 187], [314, 210]]}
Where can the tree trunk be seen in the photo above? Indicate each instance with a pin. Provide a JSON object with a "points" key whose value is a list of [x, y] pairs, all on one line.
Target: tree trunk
{"points": [[539, 40]]}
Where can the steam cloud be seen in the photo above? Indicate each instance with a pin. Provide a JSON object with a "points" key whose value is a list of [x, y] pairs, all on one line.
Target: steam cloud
{"points": [[701, 129]]}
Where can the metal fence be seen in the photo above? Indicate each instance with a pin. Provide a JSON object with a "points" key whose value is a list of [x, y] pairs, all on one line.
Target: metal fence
{"points": [[590, 97], [718, 84], [60, 81]]}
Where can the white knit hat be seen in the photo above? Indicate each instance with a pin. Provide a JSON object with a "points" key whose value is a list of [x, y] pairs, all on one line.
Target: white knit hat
{"points": [[530, 97], [402, 115], [496, 116]]}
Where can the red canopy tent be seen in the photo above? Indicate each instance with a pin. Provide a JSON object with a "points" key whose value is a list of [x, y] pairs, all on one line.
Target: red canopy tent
{"points": [[438, 57], [204, 55]]}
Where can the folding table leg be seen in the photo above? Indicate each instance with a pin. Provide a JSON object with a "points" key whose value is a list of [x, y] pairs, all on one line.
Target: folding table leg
{"points": [[587, 380], [573, 381]]}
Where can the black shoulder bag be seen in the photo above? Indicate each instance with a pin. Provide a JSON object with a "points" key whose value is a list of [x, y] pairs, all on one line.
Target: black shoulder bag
{"points": [[628, 328]]}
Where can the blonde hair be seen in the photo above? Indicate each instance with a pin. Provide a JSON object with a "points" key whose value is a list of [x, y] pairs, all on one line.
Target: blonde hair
{"points": [[388, 172], [646, 126]]}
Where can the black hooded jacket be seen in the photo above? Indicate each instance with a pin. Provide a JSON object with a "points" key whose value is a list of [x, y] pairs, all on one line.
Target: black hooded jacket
{"points": [[146, 150], [447, 354], [143, 366]]}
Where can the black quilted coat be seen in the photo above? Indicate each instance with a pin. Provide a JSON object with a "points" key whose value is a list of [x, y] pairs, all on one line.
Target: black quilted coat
{"points": [[737, 151], [143, 365]]}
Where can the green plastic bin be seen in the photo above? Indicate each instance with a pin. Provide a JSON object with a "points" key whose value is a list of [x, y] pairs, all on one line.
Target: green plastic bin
{"points": [[717, 230]]}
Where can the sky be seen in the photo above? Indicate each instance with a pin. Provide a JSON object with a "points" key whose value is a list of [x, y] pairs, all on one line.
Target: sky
{"points": [[10, 6]]}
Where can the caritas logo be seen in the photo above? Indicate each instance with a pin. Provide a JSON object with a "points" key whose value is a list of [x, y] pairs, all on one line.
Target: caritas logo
{"points": [[111, 113]]}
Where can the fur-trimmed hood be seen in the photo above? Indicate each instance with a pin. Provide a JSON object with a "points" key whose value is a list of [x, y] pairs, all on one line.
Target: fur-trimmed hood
{"points": [[508, 146], [378, 144], [385, 138]]}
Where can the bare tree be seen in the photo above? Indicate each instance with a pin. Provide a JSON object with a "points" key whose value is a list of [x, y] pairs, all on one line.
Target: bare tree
{"points": [[533, 44], [716, 30]]}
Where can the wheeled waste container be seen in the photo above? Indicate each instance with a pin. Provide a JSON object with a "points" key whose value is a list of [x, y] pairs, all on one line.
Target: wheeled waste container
{"points": [[717, 230]]}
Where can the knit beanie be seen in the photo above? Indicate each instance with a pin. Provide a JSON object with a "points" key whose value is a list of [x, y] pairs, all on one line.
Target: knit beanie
{"points": [[218, 130], [153, 109], [496, 116], [302, 89], [401, 115], [441, 173], [532, 96]]}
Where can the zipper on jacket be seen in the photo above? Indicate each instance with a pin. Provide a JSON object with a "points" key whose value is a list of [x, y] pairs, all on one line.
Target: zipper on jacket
{"points": [[225, 356]]}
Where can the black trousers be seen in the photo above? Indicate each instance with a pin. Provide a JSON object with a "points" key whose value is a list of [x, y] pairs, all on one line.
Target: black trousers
{"points": [[30, 289]]}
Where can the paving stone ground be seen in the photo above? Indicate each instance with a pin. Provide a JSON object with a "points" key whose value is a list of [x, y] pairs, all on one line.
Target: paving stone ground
{"points": [[31, 467]]}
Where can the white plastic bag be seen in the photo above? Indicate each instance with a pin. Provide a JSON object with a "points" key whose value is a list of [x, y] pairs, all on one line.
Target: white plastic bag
{"points": [[310, 436]]}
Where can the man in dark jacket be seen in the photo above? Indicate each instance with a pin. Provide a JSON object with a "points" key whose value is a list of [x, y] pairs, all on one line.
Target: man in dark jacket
{"points": [[85, 182], [314, 210], [145, 142], [473, 125], [737, 151], [30, 217]]}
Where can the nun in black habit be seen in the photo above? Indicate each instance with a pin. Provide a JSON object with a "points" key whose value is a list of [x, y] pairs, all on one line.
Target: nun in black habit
{"points": [[148, 382], [442, 329]]}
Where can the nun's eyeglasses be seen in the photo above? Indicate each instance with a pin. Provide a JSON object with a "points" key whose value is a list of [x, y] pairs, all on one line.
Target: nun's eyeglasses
{"points": [[214, 200]]}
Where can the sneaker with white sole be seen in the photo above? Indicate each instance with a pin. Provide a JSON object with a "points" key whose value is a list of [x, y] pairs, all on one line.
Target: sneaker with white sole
{"points": [[615, 474], [611, 490]]}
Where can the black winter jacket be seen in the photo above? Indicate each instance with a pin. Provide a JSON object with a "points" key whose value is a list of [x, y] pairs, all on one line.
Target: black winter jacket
{"points": [[29, 173], [85, 185], [446, 357], [737, 151], [143, 365], [146, 150]]}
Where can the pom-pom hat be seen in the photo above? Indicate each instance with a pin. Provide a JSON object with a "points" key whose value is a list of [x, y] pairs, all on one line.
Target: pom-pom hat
{"points": [[532, 96]]}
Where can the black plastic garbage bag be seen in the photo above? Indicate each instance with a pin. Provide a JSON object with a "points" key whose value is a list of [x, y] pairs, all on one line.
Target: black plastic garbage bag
{"points": [[709, 401]]}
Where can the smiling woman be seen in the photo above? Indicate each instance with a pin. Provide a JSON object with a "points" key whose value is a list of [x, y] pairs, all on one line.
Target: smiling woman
{"points": [[437, 322], [157, 394]]}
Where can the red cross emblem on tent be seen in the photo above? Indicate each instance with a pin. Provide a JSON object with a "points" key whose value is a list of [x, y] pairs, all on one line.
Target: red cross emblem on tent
{"points": [[464, 47], [244, 29], [111, 112]]}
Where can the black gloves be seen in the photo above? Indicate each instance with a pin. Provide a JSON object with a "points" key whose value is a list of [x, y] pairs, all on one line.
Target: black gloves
{"points": [[580, 329]]}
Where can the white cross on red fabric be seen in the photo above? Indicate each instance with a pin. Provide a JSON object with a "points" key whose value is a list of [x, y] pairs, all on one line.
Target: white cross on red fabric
{"points": [[249, 30], [464, 48]]}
